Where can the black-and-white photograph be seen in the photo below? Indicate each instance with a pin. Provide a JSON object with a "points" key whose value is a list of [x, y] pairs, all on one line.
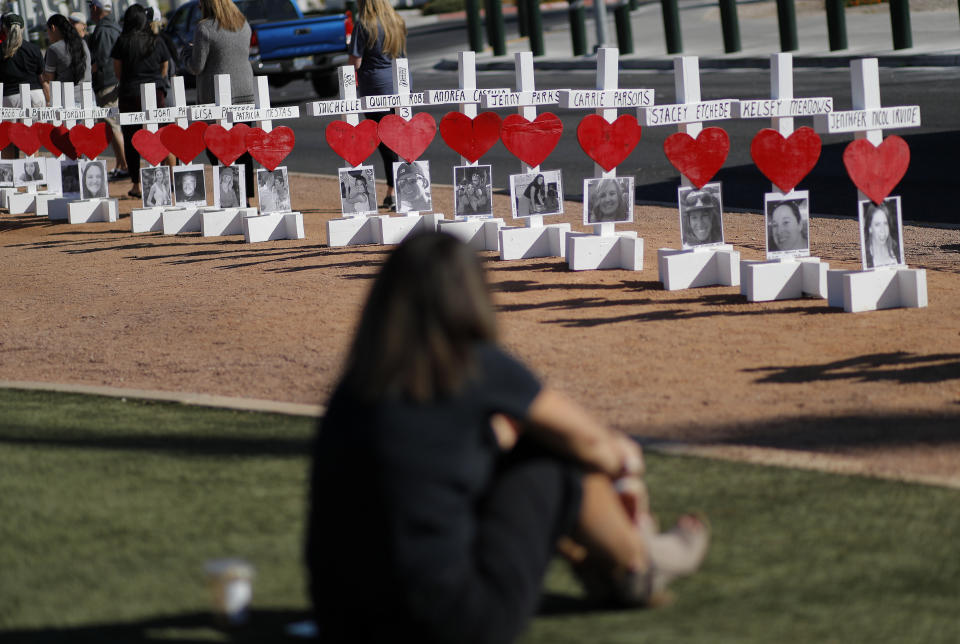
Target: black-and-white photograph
{"points": [[273, 190], [6, 174], [473, 196], [881, 233], [229, 183], [93, 179], [609, 199], [70, 179], [189, 186], [357, 191], [701, 215], [157, 190], [536, 193], [29, 171], [788, 224], [412, 181]]}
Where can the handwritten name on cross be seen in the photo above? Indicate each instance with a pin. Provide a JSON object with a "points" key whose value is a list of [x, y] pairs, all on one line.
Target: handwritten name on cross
{"points": [[151, 116], [261, 110], [222, 104]]}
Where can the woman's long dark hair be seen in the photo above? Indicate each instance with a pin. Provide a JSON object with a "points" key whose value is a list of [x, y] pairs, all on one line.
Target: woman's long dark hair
{"points": [[426, 311], [78, 60], [136, 34]]}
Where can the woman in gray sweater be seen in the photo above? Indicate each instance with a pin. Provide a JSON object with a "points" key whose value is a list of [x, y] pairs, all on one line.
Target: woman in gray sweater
{"points": [[221, 45]]}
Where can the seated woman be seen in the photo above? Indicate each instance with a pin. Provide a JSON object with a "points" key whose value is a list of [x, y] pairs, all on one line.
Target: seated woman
{"points": [[445, 476]]}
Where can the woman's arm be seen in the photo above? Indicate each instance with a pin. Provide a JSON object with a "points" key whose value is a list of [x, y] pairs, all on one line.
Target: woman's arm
{"points": [[118, 69], [194, 55], [566, 426], [355, 61]]}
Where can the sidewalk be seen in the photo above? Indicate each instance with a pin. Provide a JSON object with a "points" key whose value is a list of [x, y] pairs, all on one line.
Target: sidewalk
{"points": [[935, 27]]}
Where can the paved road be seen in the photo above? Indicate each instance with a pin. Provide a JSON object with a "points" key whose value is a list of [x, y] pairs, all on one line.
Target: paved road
{"points": [[926, 189]]}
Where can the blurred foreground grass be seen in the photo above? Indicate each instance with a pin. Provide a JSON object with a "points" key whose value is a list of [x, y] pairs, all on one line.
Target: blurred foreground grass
{"points": [[109, 508]]}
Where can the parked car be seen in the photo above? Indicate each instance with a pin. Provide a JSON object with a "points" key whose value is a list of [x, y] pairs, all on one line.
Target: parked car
{"points": [[285, 45]]}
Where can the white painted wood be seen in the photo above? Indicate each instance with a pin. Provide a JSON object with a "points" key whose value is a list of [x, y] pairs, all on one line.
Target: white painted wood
{"points": [[83, 211], [692, 268]]}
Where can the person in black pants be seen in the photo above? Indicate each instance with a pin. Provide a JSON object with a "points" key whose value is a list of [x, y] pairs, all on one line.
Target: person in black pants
{"points": [[445, 476]]}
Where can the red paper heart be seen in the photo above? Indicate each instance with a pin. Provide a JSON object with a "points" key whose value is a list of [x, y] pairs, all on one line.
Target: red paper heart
{"points": [[785, 161], [698, 159], [60, 138], [354, 143], [608, 143], [24, 138], [43, 131], [226, 145], [407, 138], [185, 144], [89, 141], [877, 170], [470, 138], [5, 133], [531, 141], [150, 146], [270, 148]]}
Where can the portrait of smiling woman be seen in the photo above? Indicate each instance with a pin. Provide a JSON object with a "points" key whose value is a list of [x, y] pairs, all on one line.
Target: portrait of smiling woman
{"points": [[608, 200], [701, 219], [788, 225], [93, 182]]}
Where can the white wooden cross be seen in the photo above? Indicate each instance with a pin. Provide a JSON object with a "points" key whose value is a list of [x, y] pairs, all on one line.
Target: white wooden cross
{"points": [[27, 119], [151, 116], [348, 105], [605, 100]]}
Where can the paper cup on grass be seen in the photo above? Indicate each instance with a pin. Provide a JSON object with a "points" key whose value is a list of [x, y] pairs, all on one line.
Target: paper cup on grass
{"points": [[231, 588]]}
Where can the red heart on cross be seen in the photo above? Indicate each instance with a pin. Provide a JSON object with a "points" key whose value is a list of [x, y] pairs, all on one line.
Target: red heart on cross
{"points": [[5, 133], [89, 141], [471, 138], [60, 138], [608, 143], [185, 144], [24, 138], [698, 159], [407, 138], [785, 161], [43, 131], [531, 141], [226, 145], [877, 170], [150, 146], [354, 143], [270, 148]]}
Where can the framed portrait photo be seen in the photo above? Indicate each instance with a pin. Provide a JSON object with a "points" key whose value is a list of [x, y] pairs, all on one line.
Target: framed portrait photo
{"points": [[412, 181], [229, 186], [6, 174], [607, 199], [93, 179], [787, 220], [881, 233], [473, 190], [189, 185], [273, 190], [701, 215], [156, 186], [70, 179], [29, 171], [357, 191], [536, 193]]}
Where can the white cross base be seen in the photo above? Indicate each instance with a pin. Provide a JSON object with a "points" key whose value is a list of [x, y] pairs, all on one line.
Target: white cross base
{"points": [[784, 278], [692, 268], [886, 287]]}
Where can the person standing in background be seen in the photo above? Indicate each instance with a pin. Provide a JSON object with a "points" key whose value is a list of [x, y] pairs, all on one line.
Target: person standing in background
{"points": [[379, 36], [101, 43], [79, 22], [67, 59], [21, 61], [221, 45]]}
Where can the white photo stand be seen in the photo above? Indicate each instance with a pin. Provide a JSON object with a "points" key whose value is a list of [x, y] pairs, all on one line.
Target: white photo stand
{"points": [[181, 217], [606, 247], [9, 114], [57, 208], [274, 225], [479, 232], [32, 200], [83, 211], [387, 229], [700, 266], [783, 278], [216, 220], [885, 287], [150, 218], [348, 230]]}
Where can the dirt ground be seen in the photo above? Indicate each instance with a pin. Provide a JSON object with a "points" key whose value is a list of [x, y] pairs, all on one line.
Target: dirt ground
{"points": [[96, 304]]}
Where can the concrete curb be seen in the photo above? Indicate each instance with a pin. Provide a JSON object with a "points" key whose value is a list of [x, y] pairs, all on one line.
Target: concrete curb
{"points": [[766, 456]]}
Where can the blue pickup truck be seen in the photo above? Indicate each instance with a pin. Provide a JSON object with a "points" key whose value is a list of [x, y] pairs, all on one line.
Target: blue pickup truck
{"points": [[285, 44]]}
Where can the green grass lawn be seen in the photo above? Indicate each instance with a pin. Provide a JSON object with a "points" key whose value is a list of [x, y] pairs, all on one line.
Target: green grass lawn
{"points": [[109, 508]]}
